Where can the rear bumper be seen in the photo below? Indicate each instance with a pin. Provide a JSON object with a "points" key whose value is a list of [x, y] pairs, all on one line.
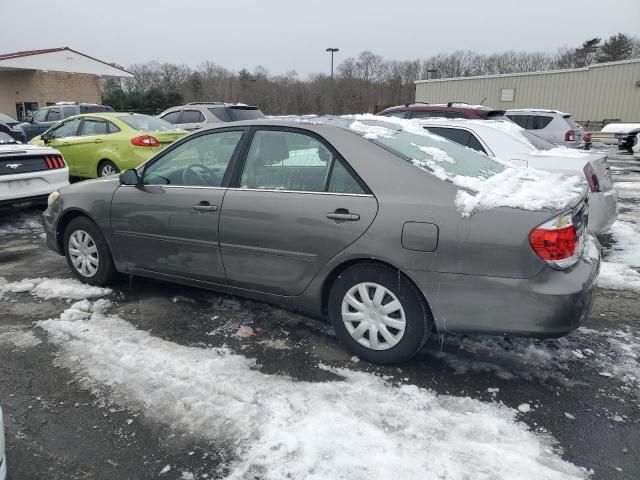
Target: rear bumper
{"points": [[551, 304], [603, 210], [24, 187]]}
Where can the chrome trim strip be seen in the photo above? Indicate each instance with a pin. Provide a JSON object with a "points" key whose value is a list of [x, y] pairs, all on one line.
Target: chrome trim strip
{"points": [[175, 186], [302, 192], [307, 257]]}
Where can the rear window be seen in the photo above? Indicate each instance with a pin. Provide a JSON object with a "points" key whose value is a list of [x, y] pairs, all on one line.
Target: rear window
{"points": [[147, 123], [572, 123], [6, 118], [95, 108], [220, 113], [394, 113], [245, 113], [432, 151]]}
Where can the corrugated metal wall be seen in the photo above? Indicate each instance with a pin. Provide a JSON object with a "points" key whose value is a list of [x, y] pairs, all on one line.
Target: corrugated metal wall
{"points": [[606, 91]]}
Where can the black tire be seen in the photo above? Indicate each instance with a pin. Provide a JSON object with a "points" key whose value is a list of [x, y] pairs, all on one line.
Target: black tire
{"points": [[106, 271], [106, 164], [417, 314]]}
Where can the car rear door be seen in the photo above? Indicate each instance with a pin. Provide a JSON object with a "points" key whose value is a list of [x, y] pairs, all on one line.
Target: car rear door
{"points": [[169, 224], [191, 119], [294, 205], [91, 138]]}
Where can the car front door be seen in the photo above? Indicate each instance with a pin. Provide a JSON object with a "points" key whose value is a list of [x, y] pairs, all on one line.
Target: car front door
{"points": [[168, 225], [63, 137], [294, 206]]}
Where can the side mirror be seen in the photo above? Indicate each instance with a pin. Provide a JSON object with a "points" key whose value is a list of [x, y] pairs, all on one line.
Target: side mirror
{"points": [[130, 177], [45, 138], [29, 119]]}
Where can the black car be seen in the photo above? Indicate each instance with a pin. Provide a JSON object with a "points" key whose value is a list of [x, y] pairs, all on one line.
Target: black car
{"points": [[8, 124], [46, 117], [628, 140]]}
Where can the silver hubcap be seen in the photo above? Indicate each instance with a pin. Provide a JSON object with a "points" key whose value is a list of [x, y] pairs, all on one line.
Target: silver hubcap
{"points": [[83, 253], [108, 170], [373, 316]]}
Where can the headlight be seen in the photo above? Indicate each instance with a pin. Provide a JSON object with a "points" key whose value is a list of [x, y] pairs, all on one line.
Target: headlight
{"points": [[53, 196]]}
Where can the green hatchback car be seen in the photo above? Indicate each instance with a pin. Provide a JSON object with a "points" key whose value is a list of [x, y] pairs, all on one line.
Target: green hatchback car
{"points": [[102, 144]]}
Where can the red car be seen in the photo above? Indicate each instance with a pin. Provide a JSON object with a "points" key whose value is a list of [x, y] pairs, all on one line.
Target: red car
{"points": [[444, 110]]}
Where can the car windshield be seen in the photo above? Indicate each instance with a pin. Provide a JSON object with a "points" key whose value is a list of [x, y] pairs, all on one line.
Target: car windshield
{"points": [[431, 151], [536, 141], [147, 123], [5, 138]]}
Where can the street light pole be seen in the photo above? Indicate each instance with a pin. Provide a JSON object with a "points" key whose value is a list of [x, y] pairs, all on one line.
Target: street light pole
{"points": [[332, 50]]}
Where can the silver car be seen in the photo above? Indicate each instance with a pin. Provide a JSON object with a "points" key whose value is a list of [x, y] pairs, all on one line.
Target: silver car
{"points": [[324, 218], [195, 115], [556, 127]]}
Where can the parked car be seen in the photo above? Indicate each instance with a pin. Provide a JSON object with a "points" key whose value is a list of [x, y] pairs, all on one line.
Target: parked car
{"points": [[28, 174], [8, 126], [326, 218], [46, 117], [624, 135], [554, 126], [195, 115], [101, 144], [3, 460], [442, 110], [508, 141]]}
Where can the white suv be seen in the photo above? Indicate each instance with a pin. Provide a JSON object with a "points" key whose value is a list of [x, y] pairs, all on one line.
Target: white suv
{"points": [[554, 126]]}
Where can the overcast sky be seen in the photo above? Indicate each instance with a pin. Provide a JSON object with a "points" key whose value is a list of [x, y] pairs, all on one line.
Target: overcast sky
{"points": [[284, 35]]}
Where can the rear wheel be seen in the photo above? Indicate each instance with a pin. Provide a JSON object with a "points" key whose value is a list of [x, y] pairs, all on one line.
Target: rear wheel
{"points": [[87, 252], [378, 313], [106, 168]]}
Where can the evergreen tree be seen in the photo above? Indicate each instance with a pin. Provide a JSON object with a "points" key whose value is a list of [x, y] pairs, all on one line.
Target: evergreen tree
{"points": [[617, 47]]}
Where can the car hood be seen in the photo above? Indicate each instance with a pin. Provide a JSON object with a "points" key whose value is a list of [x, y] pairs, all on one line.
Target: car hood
{"points": [[103, 184]]}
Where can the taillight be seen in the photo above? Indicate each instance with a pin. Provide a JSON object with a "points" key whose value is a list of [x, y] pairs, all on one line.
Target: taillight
{"points": [[592, 178], [586, 137], [54, 161], [145, 141], [569, 136], [556, 242]]}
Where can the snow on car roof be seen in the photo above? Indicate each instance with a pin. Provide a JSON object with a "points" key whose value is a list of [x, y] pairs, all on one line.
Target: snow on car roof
{"points": [[537, 110]]}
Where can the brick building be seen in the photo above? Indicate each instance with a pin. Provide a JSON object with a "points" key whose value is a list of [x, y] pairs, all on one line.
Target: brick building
{"points": [[36, 78]]}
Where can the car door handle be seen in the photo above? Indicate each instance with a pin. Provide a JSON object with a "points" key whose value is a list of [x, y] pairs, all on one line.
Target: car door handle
{"points": [[205, 206], [344, 215], [98, 140]]}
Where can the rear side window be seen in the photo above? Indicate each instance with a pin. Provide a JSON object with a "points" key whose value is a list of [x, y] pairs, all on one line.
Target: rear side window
{"points": [[93, 126], [475, 144], [113, 128], [283, 160], [540, 122], [221, 114], [54, 115], [191, 116], [244, 113], [68, 111], [172, 117], [519, 120], [454, 134], [40, 116]]}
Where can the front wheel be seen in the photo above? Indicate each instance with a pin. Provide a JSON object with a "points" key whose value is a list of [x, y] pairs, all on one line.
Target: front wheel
{"points": [[379, 314], [87, 252]]}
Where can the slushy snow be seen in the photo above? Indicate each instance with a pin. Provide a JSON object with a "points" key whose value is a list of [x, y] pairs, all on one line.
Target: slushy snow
{"points": [[358, 427], [53, 288]]}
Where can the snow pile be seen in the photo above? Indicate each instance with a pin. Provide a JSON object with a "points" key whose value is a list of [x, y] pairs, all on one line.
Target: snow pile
{"points": [[371, 132], [563, 152], [18, 337], [53, 288], [24, 223], [359, 427], [524, 188], [617, 276], [437, 154]]}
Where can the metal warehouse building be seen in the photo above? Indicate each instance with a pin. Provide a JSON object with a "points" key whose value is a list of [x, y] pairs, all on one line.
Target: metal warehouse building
{"points": [[596, 93]]}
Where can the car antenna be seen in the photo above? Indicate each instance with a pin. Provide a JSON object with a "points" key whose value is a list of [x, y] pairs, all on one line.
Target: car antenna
{"points": [[482, 102]]}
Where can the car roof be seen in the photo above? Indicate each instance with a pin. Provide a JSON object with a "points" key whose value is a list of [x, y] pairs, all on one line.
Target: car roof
{"points": [[433, 106], [108, 115], [537, 110]]}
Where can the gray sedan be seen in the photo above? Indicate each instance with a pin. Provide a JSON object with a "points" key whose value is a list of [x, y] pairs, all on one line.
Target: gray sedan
{"points": [[340, 222]]}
